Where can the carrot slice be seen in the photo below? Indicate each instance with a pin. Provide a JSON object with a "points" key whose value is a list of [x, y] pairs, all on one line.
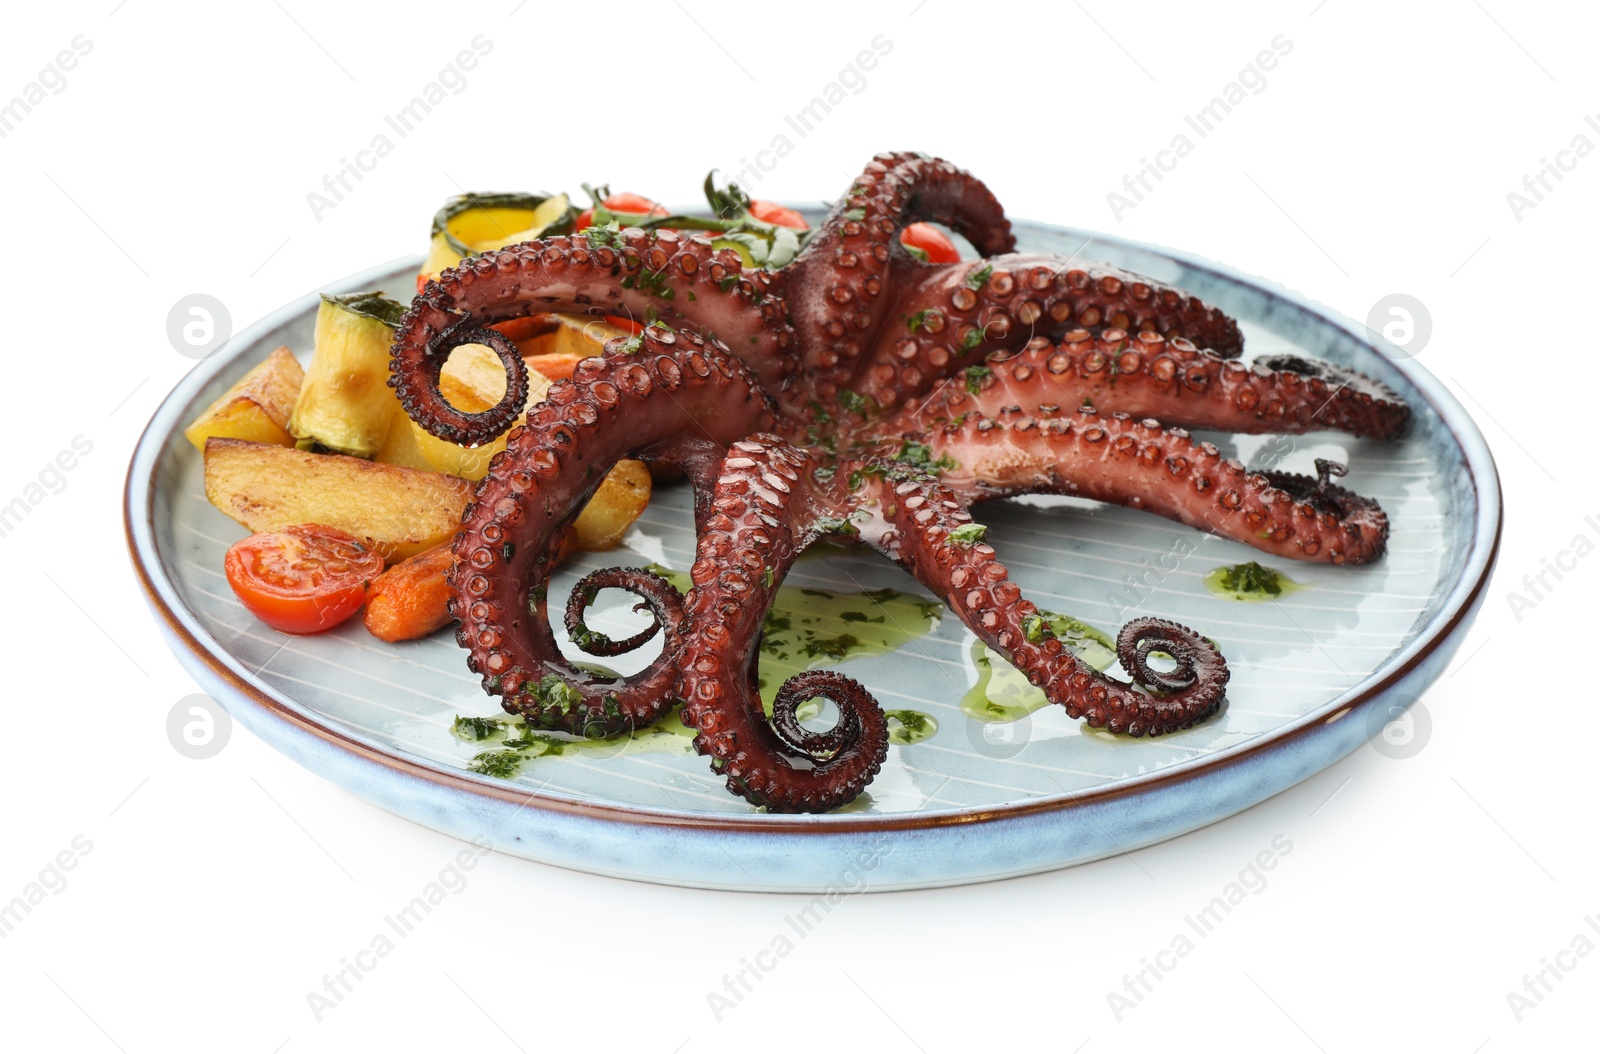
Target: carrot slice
{"points": [[526, 327], [411, 599], [557, 366]]}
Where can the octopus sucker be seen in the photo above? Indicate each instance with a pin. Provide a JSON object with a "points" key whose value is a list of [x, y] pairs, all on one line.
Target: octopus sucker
{"points": [[864, 395]]}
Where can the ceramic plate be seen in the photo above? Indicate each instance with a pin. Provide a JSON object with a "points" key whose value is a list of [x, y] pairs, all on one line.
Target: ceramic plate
{"points": [[1004, 786]]}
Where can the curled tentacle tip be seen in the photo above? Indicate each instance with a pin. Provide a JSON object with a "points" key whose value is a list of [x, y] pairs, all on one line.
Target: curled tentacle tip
{"points": [[658, 597], [1191, 690], [860, 722], [416, 380]]}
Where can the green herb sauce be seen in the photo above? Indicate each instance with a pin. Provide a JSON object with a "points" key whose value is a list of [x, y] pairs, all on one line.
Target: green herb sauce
{"points": [[1251, 583], [809, 629], [806, 629], [910, 726]]}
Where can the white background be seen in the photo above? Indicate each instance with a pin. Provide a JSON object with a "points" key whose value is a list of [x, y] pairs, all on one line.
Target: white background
{"points": [[1377, 160]]}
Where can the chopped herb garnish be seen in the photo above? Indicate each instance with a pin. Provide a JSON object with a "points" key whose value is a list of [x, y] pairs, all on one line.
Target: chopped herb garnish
{"points": [[476, 729], [911, 720], [830, 525], [502, 764], [832, 647], [1252, 578], [606, 236], [976, 375], [921, 455], [980, 276], [968, 535], [556, 693], [854, 402], [917, 321], [855, 214]]}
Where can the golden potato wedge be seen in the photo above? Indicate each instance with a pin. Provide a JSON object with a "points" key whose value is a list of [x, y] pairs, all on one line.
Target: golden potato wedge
{"points": [[257, 408], [400, 511], [619, 501], [472, 380]]}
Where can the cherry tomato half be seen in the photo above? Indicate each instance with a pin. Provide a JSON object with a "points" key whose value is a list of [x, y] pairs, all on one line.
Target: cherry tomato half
{"points": [[624, 202], [931, 240], [777, 215], [623, 322], [301, 579]]}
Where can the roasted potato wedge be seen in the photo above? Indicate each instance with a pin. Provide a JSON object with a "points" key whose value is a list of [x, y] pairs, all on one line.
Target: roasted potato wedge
{"points": [[473, 380], [257, 408], [400, 511], [619, 501]]}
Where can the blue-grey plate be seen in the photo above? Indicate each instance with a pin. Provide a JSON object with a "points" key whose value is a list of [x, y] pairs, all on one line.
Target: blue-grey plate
{"points": [[1003, 787]]}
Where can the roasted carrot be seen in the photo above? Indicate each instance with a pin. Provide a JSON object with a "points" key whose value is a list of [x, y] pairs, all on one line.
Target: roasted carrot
{"points": [[526, 327], [411, 599], [557, 366]]}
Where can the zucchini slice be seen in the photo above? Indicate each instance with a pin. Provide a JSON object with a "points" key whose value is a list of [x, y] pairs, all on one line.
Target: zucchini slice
{"points": [[476, 223], [346, 404]]}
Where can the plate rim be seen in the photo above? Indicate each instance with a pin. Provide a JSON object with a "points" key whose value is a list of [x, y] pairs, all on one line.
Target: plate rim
{"points": [[183, 627]]}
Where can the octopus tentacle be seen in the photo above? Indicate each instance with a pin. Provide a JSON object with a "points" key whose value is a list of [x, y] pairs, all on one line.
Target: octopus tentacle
{"points": [[630, 272], [928, 531], [614, 407], [658, 597], [1141, 464], [836, 286], [955, 316], [1149, 376], [765, 512]]}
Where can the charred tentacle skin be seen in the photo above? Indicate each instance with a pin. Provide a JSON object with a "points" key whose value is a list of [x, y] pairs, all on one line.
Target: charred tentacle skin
{"points": [[922, 533], [841, 287], [657, 596], [764, 513], [614, 407], [1142, 464], [954, 317], [1008, 375], [661, 274], [1147, 375]]}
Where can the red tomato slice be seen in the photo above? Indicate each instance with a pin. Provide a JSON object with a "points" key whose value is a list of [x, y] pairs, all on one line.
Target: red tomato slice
{"points": [[931, 240], [301, 579], [527, 327], [777, 215], [621, 322], [624, 202]]}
